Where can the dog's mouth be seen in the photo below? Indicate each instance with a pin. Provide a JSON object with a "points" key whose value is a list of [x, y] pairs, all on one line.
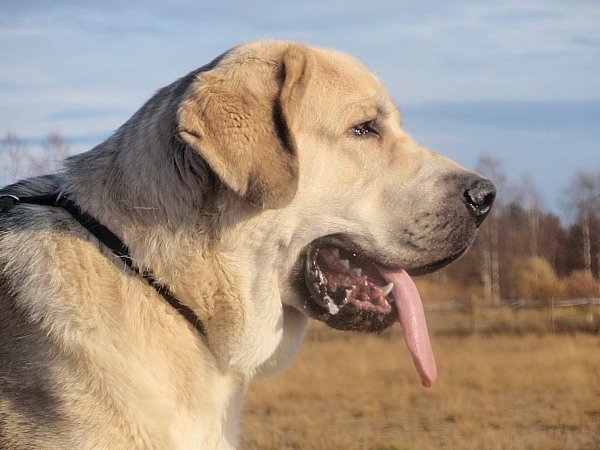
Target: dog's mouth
{"points": [[352, 292], [339, 279]]}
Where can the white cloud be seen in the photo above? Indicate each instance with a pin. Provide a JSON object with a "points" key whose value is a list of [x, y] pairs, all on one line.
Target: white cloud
{"points": [[83, 67]]}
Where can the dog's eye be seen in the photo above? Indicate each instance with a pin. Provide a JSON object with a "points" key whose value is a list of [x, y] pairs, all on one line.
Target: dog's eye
{"points": [[365, 129]]}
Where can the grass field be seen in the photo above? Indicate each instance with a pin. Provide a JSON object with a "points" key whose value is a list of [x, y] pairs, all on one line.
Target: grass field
{"points": [[351, 391]]}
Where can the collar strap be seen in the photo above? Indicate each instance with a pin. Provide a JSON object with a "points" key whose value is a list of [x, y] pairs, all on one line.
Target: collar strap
{"points": [[109, 239]]}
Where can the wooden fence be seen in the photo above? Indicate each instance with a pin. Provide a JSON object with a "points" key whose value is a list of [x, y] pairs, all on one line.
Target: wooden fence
{"points": [[515, 316]]}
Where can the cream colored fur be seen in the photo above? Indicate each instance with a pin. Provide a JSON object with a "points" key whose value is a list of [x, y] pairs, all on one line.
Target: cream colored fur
{"points": [[217, 185]]}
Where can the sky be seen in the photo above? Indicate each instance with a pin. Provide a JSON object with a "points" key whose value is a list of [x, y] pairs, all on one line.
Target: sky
{"points": [[517, 81]]}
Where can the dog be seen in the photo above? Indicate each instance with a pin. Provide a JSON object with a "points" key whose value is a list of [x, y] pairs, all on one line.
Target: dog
{"points": [[145, 285]]}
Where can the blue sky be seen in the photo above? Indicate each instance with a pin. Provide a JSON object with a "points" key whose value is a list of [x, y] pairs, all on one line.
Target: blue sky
{"points": [[515, 80]]}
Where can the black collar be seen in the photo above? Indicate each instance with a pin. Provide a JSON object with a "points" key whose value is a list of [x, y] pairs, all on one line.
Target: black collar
{"points": [[109, 239]]}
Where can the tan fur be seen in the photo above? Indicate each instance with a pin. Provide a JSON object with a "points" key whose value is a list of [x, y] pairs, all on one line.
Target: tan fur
{"points": [[217, 185]]}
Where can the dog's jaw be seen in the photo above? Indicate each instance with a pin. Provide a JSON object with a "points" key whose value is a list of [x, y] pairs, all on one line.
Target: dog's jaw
{"points": [[350, 292]]}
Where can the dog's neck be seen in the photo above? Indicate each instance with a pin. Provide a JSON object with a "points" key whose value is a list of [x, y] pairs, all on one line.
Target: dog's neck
{"points": [[160, 198], [143, 170]]}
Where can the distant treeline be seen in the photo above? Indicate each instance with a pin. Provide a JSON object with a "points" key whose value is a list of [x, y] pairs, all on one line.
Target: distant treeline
{"points": [[521, 251], [18, 160], [524, 252]]}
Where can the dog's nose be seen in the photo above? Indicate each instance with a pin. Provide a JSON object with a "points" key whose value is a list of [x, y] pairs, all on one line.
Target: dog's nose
{"points": [[479, 197]]}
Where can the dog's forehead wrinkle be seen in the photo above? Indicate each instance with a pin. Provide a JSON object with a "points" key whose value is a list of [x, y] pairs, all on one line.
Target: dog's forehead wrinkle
{"points": [[385, 106]]}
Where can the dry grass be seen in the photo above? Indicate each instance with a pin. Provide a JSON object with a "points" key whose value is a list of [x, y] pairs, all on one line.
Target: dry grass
{"points": [[350, 391]]}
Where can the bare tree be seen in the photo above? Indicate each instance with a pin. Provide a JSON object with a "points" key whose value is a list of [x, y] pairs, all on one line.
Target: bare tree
{"points": [[14, 155], [531, 202], [17, 160], [583, 196], [491, 168], [55, 148]]}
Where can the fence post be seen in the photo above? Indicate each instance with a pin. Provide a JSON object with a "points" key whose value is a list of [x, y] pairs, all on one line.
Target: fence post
{"points": [[551, 315], [473, 316]]}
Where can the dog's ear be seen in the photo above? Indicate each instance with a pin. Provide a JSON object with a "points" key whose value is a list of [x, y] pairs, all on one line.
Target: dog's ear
{"points": [[238, 115]]}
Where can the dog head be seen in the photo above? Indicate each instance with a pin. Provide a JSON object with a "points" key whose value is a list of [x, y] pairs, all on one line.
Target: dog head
{"points": [[340, 204]]}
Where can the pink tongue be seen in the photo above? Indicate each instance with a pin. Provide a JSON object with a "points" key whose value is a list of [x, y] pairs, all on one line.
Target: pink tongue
{"points": [[412, 321]]}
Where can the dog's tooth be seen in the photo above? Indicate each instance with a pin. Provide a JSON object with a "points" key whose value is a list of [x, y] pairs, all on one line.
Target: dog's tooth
{"points": [[333, 308], [387, 289], [347, 293], [345, 263], [318, 276], [358, 271]]}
